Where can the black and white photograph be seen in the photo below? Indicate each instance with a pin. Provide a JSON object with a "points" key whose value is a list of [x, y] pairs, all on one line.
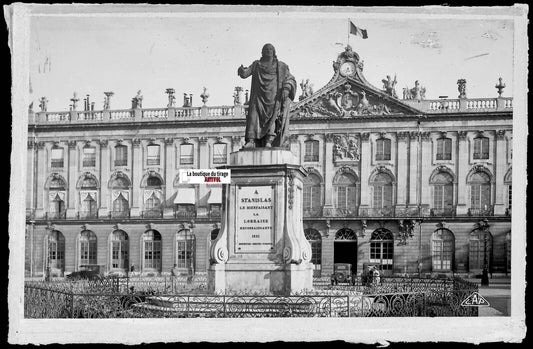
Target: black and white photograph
{"points": [[187, 173]]}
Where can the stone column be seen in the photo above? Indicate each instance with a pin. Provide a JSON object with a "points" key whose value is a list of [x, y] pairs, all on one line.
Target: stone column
{"points": [[170, 158], [72, 164], [413, 168], [366, 168], [462, 170], [328, 240], [40, 178], [105, 174], [425, 169], [136, 176], [403, 169], [203, 163], [501, 168]]}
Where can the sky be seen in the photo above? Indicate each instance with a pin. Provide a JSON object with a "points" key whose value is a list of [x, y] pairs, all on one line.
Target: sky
{"points": [[94, 54]]}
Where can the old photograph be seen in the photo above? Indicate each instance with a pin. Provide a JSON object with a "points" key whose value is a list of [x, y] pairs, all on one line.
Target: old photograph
{"points": [[259, 173]]}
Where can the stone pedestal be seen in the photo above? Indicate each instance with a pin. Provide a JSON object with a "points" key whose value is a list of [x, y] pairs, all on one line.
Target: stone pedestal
{"points": [[261, 245]]}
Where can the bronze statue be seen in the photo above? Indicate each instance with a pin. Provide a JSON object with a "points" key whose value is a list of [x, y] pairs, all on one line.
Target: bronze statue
{"points": [[273, 89]]}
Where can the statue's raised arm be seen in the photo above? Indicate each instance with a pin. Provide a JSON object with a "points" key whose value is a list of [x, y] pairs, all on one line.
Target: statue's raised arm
{"points": [[273, 88]]}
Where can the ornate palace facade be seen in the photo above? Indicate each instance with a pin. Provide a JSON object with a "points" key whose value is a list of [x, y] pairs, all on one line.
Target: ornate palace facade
{"points": [[413, 185]]}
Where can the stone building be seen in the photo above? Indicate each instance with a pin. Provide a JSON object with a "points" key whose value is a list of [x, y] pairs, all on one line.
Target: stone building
{"points": [[410, 184]]}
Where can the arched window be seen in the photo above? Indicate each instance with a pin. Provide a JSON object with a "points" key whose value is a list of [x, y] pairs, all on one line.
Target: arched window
{"points": [[315, 239], [55, 258], [480, 250], [152, 157], [56, 198], [345, 234], [346, 189], [383, 149], [444, 149], [443, 249], [87, 248], [152, 200], [481, 148], [508, 181], [382, 194], [442, 184], [88, 192], [311, 151], [185, 251], [312, 196], [480, 194], [151, 240], [120, 195], [119, 251], [121, 155], [381, 248]]}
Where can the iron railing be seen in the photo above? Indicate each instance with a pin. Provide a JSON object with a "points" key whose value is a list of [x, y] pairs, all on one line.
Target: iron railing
{"points": [[140, 298]]}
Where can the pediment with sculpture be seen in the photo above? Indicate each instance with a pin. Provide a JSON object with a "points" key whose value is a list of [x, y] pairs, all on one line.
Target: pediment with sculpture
{"points": [[349, 95]]}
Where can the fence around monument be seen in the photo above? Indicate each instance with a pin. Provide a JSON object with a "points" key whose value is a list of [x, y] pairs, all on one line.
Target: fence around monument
{"points": [[109, 299]]}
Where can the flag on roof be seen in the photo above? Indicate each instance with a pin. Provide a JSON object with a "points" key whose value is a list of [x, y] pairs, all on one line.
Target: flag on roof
{"points": [[358, 31]]}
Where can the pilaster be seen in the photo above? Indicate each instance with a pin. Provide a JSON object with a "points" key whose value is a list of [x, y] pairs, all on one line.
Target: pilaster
{"points": [[462, 170], [136, 176], [366, 167], [414, 149], [425, 169], [170, 158], [40, 178], [402, 168], [72, 166], [103, 211], [329, 172], [501, 169]]}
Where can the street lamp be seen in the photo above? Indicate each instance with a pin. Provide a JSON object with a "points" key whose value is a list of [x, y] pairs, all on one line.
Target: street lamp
{"points": [[485, 273]]}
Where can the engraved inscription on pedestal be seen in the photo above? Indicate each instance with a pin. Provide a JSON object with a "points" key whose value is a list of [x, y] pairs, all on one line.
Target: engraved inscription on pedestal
{"points": [[255, 219]]}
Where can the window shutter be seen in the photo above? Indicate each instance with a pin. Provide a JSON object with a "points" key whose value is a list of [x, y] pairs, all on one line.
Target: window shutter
{"points": [[387, 196], [448, 149], [387, 151], [448, 196]]}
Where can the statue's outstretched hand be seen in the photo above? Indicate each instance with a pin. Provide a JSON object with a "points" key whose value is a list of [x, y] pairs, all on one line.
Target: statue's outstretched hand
{"points": [[240, 71]]}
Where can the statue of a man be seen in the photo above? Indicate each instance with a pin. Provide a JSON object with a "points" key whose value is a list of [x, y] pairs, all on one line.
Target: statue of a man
{"points": [[273, 89]]}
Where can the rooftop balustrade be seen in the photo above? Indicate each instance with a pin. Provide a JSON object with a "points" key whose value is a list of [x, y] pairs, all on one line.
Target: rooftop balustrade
{"points": [[462, 105]]}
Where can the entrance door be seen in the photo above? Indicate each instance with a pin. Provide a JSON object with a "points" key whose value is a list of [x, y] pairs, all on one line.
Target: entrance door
{"points": [[345, 248]]}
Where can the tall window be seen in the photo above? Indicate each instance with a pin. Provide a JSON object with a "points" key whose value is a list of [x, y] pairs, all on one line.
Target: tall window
{"points": [[346, 193], [121, 155], [87, 248], [480, 193], [481, 148], [152, 250], [381, 248], [443, 250], [480, 249], [442, 194], [56, 198], [119, 250], [57, 158], [383, 147], [510, 196], [311, 151], [88, 198], [444, 149], [186, 154], [185, 248], [311, 196], [152, 199], [56, 250], [219, 153], [152, 158], [89, 157], [314, 238], [382, 194], [120, 188]]}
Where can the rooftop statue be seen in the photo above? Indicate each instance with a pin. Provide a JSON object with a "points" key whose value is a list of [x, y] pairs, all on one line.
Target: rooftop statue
{"points": [[273, 89], [389, 86]]}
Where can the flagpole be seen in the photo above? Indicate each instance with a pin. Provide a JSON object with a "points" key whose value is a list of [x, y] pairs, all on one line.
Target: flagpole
{"points": [[348, 32]]}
